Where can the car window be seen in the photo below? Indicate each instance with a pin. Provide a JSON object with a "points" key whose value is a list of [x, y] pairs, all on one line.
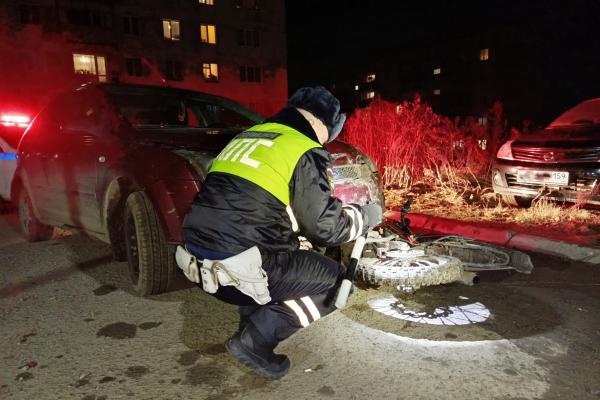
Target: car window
{"points": [[81, 114], [586, 113], [218, 116], [144, 108], [140, 109]]}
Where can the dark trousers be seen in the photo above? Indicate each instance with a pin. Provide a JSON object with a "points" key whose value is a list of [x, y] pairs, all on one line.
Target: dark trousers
{"points": [[302, 285]]}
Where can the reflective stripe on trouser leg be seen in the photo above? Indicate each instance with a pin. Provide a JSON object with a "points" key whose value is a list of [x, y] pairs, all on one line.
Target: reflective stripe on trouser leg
{"points": [[298, 311], [309, 305], [312, 308], [293, 277]]}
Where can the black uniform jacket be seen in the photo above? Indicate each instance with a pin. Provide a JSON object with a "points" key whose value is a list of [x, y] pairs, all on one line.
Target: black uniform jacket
{"points": [[231, 214]]}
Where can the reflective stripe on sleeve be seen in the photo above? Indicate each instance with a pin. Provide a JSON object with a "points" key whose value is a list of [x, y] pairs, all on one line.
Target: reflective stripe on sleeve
{"points": [[293, 219], [357, 221], [299, 312]]}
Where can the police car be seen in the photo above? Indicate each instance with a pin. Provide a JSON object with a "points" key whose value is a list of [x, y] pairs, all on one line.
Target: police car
{"points": [[12, 126]]}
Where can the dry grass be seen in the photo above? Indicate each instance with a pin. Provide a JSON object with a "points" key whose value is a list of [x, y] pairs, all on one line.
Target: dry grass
{"points": [[545, 211], [469, 199], [434, 160]]}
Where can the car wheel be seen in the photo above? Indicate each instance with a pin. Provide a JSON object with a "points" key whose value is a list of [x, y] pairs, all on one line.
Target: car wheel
{"points": [[32, 229], [117, 237], [151, 264], [516, 201]]}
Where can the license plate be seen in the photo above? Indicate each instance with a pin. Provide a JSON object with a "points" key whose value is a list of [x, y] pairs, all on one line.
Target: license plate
{"points": [[548, 177]]}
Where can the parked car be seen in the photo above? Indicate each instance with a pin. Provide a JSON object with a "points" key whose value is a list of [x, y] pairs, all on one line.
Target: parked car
{"points": [[12, 126], [563, 160], [123, 163]]}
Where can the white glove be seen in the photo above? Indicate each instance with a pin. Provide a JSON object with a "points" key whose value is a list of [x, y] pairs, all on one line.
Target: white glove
{"points": [[373, 214]]}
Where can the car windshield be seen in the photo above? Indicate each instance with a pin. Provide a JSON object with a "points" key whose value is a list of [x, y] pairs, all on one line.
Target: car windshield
{"points": [[586, 113], [146, 108]]}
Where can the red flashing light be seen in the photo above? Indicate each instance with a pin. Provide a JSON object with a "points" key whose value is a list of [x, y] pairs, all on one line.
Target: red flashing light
{"points": [[22, 121]]}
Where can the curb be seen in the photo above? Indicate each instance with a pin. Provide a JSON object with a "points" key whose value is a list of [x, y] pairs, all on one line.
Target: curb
{"points": [[502, 237]]}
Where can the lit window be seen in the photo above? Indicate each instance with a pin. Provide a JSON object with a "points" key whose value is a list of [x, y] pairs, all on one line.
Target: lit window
{"points": [[210, 72], [484, 54], [87, 64], [206, 2], [370, 78], [101, 69], [250, 74], [437, 92], [356, 88], [171, 29], [368, 95], [208, 34], [437, 71]]}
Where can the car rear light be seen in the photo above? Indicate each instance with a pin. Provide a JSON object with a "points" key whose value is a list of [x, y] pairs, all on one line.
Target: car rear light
{"points": [[505, 151], [22, 121]]}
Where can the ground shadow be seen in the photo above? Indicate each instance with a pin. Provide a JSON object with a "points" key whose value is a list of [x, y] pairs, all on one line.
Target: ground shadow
{"points": [[513, 312], [207, 324], [15, 289]]}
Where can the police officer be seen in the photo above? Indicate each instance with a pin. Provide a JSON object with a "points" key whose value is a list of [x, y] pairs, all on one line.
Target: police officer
{"points": [[269, 185]]}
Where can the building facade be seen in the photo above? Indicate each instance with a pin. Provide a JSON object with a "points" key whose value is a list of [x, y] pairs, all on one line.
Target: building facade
{"points": [[231, 48]]}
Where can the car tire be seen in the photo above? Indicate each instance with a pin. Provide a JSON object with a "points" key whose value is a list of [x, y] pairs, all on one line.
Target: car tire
{"points": [[516, 201], [151, 263], [31, 228]]}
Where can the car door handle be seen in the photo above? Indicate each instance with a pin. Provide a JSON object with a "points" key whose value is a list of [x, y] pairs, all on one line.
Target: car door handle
{"points": [[101, 159]]}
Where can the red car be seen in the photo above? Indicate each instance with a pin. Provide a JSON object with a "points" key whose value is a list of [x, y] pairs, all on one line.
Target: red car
{"points": [[123, 163]]}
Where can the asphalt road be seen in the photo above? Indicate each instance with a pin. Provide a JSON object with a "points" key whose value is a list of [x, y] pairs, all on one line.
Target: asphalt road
{"points": [[71, 328]]}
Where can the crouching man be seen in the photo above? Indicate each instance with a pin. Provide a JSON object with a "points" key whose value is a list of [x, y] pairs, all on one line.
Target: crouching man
{"points": [[267, 186]]}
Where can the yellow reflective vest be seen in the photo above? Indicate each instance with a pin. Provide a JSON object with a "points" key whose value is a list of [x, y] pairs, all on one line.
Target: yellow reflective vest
{"points": [[266, 154]]}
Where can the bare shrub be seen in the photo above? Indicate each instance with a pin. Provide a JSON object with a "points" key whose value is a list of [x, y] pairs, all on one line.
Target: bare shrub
{"points": [[410, 143]]}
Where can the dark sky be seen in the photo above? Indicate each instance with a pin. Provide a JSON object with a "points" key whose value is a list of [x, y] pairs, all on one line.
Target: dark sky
{"points": [[324, 35]]}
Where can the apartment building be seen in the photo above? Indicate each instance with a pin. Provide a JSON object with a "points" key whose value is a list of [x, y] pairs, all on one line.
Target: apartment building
{"points": [[231, 48]]}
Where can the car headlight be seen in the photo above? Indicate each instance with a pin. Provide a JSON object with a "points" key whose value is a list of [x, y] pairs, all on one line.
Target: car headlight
{"points": [[505, 151], [497, 178]]}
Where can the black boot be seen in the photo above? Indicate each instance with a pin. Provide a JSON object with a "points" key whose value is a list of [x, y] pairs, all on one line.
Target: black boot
{"points": [[251, 349], [245, 313]]}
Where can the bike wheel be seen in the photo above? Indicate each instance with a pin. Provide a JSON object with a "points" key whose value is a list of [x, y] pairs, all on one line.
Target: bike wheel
{"points": [[414, 272]]}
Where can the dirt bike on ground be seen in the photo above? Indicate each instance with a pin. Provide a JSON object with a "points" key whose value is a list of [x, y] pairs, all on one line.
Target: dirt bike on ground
{"points": [[395, 255]]}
